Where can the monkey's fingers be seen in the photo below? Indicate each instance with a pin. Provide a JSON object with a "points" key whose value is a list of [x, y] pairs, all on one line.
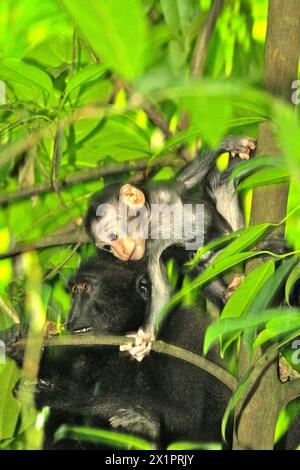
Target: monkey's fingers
{"points": [[236, 282]]}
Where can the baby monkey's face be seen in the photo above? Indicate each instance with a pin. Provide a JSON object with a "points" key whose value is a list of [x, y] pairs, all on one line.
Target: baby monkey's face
{"points": [[121, 225]]}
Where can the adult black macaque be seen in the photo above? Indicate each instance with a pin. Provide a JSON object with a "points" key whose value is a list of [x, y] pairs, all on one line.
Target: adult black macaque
{"points": [[161, 398], [133, 222]]}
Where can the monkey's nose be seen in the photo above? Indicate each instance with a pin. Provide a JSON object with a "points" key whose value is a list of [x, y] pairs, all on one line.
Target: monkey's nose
{"points": [[106, 248]]}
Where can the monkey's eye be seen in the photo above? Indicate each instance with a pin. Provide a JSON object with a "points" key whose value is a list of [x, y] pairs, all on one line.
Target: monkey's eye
{"points": [[112, 236], [74, 289], [85, 287], [142, 286]]}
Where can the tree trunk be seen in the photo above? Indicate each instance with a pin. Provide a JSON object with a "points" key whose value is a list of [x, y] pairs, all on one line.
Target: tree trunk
{"points": [[255, 423]]}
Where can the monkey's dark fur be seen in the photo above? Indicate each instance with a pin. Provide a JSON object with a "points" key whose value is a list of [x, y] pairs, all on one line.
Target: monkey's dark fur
{"points": [[161, 398]]}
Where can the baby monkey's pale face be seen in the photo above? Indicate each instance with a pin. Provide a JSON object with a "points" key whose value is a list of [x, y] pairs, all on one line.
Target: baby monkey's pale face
{"points": [[121, 226]]}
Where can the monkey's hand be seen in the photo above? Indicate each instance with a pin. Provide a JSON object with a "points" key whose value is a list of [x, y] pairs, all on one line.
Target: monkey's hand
{"points": [[239, 146], [236, 282], [141, 344]]}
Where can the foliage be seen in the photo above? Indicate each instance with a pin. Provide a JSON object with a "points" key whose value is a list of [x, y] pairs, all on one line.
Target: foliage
{"points": [[76, 85]]}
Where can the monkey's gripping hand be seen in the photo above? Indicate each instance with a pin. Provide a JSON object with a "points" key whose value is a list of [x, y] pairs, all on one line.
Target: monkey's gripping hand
{"points": [[239, 146], [141, 344]]}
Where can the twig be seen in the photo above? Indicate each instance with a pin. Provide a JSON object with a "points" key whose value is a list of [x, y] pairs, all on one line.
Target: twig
{"points": [[158, 346], [154, 114], [9, 311], [89, 175], [72, 238], [202, 42], [61, 265]]}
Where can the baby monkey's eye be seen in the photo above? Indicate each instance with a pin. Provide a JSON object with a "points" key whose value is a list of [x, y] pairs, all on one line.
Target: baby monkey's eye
{"points": [[74, 289]]}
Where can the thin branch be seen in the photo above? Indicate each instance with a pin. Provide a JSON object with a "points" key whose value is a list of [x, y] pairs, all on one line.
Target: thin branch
{"points": [[72, 238], [154, 113], [158, 346], [54, 271], [290, 391], [203, 40], [9, 311], [89, 175]]}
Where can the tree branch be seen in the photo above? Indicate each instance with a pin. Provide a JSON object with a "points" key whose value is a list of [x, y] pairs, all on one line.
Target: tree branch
{"points": [[73, 238], [89, 175], [202, 42], [289, 392], [158, 346]]}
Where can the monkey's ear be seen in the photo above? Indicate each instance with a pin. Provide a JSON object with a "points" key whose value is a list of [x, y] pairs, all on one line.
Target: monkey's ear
{"points": [[131, 196]]}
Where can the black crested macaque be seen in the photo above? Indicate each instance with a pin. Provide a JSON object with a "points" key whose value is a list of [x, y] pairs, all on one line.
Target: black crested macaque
{"points": [[161, 398], [133, 222]]}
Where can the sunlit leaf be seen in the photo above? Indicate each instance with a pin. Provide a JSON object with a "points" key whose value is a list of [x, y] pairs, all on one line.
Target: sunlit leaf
{"points": [[110, 438], [116, 31], [15, 70], [265, 178]]}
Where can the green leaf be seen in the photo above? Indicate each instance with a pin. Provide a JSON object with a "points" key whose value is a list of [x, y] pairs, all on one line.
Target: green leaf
{"points": [[238, 305], [88, 74], [182, 445], [213, 270], [265, 297], [9, 406], [116, 30], [247, 238], [110, 438], [265, 178], [250, 235], [256, 163], [289, 134], [178, 15], [291, 281], [232, 325], [277, 328], [16, 70]]}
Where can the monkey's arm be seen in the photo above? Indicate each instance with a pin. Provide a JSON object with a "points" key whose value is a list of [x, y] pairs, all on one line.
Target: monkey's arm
{"points": [[160, 294], [196, 171]]}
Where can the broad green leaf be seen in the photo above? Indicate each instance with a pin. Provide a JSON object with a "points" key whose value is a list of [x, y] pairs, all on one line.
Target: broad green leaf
{"points": [[238, 305], [291, 281], [289, 135], [110, 438], [215, 269], [265, 178], [178, 15], [210, 116], [88, 74], [15, 70], [9, 406], [285, 418], [265, 297], [293, 211], [194, 445], [171, 14], [256, 163], [250, 234], [247, 239], [232, 325], [116, 30], [277, 328]]}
